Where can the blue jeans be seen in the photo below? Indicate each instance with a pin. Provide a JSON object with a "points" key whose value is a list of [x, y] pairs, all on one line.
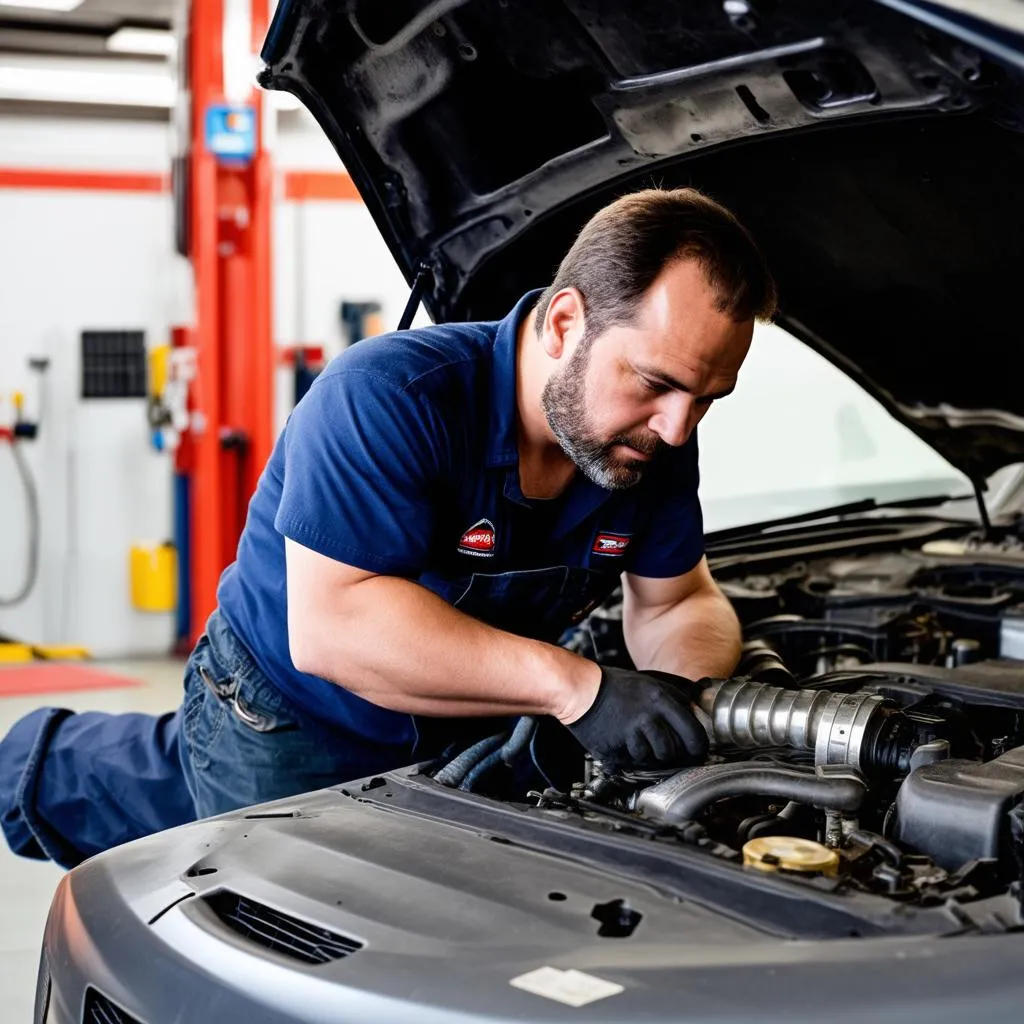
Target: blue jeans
{"points": [[72, 785], [242, 741]]}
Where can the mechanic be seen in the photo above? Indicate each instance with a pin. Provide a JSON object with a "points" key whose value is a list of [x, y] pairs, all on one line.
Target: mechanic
{"points": [[440, 508]]}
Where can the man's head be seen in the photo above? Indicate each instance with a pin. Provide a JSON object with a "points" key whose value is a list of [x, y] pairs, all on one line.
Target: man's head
{"points": [[647, 322]]}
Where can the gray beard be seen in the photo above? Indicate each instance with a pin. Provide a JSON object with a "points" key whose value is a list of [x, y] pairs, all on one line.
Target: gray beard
{"points": [[564, 402]]}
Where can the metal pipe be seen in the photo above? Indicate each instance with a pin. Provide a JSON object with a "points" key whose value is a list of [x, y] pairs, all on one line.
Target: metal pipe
{"points": [[684, 796], [747, 714]]}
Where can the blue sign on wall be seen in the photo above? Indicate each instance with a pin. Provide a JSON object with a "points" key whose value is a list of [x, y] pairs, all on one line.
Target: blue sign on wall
{"points": [[231, 133]]}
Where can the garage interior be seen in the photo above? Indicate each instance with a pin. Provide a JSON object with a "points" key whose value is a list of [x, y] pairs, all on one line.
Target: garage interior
{"points": [[182, 253]]}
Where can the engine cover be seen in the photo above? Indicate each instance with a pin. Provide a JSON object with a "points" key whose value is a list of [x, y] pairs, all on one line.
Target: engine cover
{"points": [[957, 811]]}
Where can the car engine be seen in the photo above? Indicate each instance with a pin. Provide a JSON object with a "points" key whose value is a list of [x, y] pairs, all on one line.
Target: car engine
{"points": [[873, 734]]}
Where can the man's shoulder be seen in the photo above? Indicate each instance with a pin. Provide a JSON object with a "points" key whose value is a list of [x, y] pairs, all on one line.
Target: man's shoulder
{"points": [[419, 360]]}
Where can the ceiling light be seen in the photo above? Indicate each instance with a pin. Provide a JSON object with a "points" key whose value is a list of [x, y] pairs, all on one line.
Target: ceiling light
{"points": [[142, 40], [44, 5]]}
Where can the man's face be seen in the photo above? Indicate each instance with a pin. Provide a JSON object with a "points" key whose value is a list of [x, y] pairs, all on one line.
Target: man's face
{"points": [[634, 390]]}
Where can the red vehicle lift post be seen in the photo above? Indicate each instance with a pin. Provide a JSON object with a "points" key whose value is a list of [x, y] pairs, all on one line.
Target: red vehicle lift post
{"points": [[229, 209]]}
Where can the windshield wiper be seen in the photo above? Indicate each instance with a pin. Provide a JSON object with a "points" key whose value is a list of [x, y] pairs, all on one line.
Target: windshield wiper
{"points": [[832, 512]]}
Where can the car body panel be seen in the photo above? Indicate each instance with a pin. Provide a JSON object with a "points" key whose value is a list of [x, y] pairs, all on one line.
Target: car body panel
{"points": [[449, 915]]}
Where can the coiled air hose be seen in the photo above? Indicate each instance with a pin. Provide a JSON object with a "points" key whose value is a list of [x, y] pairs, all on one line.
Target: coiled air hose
{"points": [[32, 508]]}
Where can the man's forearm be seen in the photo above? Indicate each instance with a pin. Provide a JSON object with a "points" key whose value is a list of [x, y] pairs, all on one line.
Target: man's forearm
{"points": [[696, 638], [398, 645]]}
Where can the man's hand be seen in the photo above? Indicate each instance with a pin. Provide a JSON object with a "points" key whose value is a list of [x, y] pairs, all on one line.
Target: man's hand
{"points": [[642, 720]]}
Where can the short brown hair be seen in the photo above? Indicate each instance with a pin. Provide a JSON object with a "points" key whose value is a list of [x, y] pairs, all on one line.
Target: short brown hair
{"points": [[622, 249]]}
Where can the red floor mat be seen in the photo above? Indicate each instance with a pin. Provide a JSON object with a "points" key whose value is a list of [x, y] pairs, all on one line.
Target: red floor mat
{"points": [[57, 677]]}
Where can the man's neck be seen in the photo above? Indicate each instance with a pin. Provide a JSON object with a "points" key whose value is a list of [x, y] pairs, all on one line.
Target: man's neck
{"points": [[544, 469]]}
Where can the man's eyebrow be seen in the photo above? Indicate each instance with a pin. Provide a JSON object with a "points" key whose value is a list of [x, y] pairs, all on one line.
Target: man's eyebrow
{"points": [[678, 385]]}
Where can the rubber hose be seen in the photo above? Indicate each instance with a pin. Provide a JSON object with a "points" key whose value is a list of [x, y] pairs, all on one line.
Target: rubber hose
{"points": [[506, 754], [762, 662], [456, 770], [873, 839], [32, 507], [685, 796], [519, 740], [480, 770]]}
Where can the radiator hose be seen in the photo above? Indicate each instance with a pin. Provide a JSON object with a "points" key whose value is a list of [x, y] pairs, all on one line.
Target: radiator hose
{"points": [[685, 795]]}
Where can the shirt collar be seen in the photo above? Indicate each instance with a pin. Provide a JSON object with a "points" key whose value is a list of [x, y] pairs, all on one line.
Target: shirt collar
{"points": [[503, 439]]}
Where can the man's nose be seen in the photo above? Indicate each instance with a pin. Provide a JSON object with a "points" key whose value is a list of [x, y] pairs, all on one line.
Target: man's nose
{"points": [[674, 419]]}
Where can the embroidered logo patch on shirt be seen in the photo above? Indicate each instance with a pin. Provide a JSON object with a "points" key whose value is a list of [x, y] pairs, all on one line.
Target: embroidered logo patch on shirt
{"points": [[478, 540], [614, 544]]}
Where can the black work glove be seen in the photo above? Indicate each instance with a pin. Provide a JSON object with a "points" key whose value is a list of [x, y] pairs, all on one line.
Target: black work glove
{"points": [[642, 720]]}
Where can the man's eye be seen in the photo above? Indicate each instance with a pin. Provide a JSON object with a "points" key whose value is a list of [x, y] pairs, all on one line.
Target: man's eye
{"points": [[653, 386], [705, 403]]}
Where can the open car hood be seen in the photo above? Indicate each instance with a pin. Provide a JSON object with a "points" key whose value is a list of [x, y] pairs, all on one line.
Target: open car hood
{"points": [[874, 147]]}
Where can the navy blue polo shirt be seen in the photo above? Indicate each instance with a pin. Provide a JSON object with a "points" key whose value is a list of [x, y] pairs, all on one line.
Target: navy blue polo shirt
{"points": [[402, 459]]}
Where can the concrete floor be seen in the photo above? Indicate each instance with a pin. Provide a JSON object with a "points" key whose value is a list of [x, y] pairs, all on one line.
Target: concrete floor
{"points": [[26, 886]]}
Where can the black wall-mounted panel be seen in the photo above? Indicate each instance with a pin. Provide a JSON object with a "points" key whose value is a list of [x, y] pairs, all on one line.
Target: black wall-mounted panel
{"points": [[113, 364]]}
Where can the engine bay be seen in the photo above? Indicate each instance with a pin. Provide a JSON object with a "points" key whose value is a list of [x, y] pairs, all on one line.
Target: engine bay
{"points": [[872, 737]]}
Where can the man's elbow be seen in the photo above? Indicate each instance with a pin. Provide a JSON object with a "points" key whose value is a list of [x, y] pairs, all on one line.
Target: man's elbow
{"points": [[310, 644], [303, 649]]}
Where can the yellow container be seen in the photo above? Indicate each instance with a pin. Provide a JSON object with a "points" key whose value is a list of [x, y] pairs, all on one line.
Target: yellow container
{"points": [[159, 362], [15, 654], [154, 575], [61, 652]]}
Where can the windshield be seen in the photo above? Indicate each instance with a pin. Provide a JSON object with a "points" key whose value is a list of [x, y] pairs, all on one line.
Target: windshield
{"points": [[799, 435]]}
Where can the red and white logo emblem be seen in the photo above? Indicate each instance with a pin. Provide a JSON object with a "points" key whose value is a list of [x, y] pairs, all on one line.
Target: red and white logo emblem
{"points": [[478, 540], [614, 544]]}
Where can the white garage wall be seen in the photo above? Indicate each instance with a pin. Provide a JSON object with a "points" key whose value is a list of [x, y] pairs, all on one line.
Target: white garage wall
{"points": [[71, 260]]}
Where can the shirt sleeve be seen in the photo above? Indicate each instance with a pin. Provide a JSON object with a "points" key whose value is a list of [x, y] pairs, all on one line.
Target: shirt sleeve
{"points": [[672, 540], [360, 466]]}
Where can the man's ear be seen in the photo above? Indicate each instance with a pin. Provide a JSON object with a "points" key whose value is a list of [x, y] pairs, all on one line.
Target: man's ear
{"points": [[563, 323]]}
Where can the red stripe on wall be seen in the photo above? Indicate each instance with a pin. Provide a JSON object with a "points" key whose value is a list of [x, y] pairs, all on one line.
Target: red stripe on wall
{"points": [[98, 181], [299, 186], [303, 185]]}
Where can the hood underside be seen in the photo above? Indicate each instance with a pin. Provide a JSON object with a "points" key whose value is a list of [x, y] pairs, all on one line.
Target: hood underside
{"points": [[874, 149]]}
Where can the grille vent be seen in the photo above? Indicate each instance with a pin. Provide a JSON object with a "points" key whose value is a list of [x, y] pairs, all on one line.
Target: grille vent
{"points": [[282, 933], [100, 1010]]}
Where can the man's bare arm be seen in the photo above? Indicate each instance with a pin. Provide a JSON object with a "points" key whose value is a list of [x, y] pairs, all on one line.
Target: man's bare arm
{"points": [[682, 625], [400, 646]]}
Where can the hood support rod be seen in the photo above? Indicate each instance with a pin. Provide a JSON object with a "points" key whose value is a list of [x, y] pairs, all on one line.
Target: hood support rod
{"points": [[986, 521], [419, 286]]}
